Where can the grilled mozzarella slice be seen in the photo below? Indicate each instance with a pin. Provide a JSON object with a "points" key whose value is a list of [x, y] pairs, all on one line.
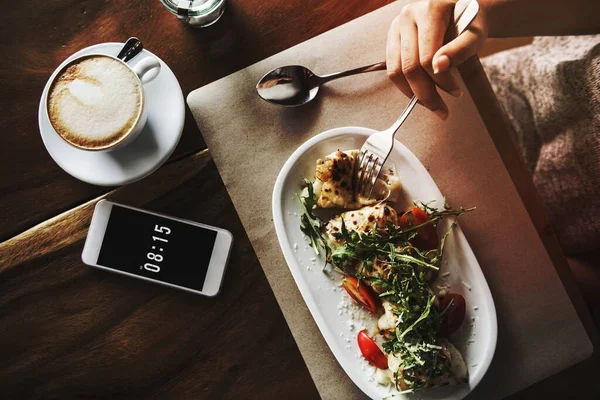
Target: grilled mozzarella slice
{"points": [[362, 220], [333, 183], [388, 320], [455, 362], [455, 372]]}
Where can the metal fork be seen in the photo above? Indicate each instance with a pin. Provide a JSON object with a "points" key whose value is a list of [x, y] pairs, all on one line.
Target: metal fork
{"points": [[374, 153]]}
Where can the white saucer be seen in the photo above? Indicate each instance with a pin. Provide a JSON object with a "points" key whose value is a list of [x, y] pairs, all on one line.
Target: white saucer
{"points": [[154, 145]]}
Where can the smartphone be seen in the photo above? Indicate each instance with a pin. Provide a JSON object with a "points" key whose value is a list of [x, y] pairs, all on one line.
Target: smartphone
{"points": [[173, 252]]}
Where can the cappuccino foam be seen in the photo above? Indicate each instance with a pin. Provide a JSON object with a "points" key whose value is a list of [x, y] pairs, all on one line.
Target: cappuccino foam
{"points": [[95, 102]]}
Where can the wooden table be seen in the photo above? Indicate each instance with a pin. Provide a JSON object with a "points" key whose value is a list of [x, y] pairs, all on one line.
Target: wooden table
{"points": [[69, 331]]}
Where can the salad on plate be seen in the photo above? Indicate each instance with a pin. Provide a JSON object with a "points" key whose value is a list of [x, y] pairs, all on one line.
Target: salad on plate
{"points": [[388, 260]]}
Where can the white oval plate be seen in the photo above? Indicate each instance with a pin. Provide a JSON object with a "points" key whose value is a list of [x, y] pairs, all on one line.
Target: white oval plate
{"points": [[328, 303]]}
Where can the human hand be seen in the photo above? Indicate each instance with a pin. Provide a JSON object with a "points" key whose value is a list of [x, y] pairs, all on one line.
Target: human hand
{"points": [[417, 59]]}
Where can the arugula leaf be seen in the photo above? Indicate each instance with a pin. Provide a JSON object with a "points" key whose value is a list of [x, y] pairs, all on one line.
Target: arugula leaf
{"points": [[386, 259], [310, 224], [424, 315], [405, 286]]}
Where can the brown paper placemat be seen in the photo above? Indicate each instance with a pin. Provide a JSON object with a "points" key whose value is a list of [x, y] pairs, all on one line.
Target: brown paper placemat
{"points": [[539, 332]]}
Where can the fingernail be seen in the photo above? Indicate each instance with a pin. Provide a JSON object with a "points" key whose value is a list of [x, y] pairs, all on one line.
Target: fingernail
{"points": [[455, 92], [440, 64], [441, 114]]}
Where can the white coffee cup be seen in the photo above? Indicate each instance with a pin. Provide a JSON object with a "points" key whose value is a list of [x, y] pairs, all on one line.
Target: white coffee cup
{"points": [[96, 102]]}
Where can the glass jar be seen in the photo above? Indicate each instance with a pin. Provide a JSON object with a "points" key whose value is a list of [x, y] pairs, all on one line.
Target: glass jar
{"points": [[197, 13]]}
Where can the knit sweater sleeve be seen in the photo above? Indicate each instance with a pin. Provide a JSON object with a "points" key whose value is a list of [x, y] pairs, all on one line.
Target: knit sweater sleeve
{"points": [[550, 91]]}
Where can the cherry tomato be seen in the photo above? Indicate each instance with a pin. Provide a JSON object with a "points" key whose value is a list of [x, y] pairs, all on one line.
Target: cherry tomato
{"points": [[426, 238], [362, 294], [455, 315], [371, 351]]}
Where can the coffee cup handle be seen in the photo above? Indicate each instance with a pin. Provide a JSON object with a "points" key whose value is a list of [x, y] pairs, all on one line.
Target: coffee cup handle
{"points": [[147, 69]]}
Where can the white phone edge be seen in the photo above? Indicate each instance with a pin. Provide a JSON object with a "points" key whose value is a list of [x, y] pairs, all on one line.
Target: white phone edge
{"points": [[217, 264]]}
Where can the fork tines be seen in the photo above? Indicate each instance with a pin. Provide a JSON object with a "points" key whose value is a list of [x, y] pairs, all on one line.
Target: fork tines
{"points": [[366, 170]]}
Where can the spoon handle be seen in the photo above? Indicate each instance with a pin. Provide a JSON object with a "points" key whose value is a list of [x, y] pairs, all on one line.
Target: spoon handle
{"points": [[380, 66], [130, 49]]}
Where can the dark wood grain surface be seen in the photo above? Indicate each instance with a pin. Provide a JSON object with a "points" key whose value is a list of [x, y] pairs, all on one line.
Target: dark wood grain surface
{"points": [[68, 331], [36, 36]]}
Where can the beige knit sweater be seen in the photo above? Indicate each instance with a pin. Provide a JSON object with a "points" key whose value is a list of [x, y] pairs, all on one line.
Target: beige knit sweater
{"points": [[551, 93]]}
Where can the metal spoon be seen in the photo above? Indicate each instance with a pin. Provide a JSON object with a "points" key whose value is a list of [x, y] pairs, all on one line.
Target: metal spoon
{"points": [[131, 48], [295, 85]]}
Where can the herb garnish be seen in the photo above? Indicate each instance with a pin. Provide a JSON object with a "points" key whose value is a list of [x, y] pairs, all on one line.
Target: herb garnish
{"points": [[403, 281], [386, 259], [310, 224]]}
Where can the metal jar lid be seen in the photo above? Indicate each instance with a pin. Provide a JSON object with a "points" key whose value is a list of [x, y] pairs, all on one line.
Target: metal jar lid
{"points": [[196, 12]]}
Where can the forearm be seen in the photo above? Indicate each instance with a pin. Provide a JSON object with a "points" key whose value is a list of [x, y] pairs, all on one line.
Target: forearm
{"points": [[510, 18]]}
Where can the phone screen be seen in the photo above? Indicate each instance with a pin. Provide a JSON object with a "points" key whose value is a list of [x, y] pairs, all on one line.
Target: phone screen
{"points": [[157, 248]]}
